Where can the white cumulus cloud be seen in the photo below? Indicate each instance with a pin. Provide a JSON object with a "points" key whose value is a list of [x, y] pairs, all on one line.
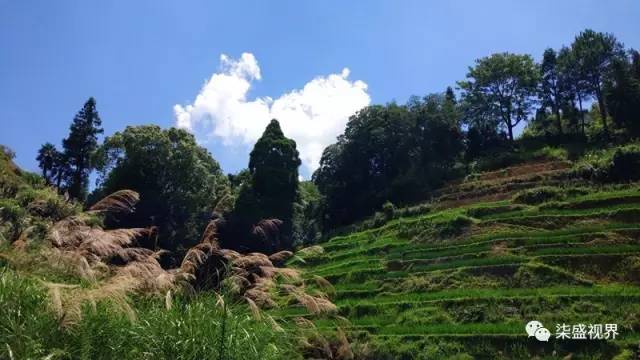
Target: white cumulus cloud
{"points": [[313, 115]]}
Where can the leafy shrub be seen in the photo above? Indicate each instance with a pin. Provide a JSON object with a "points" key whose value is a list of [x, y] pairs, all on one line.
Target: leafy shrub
{"points": [[14, 218], [427, 230], [625, 165], [453, 227], [33, 180], [538, 275], [6, 153], [310, 253], [619, 164], [379, 219], [46, 203], [539, 195], [388, 209]]}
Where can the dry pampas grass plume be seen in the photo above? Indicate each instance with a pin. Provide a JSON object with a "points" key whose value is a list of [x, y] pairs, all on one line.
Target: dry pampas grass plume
{"points": [[324, 284], [274, 324], [122, 201], [255, 310], [67, 301], [279, 258], [168, 300], [344, 348]]}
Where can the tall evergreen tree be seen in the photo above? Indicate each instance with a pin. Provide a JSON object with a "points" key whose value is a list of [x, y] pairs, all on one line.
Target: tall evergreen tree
{"points": [[551, 86], [593, 54], [272, 191], [79, 147]]}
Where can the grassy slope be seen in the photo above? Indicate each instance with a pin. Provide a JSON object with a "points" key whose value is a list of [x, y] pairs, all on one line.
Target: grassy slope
{"points": [[465, 279], [112, 327]]}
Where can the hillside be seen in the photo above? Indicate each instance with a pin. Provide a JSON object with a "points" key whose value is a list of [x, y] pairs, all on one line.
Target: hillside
{"points": [[461, 276], [71, 288]]}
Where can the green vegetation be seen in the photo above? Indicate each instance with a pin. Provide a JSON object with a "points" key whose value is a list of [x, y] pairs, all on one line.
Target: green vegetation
{"points": [[463, 279], [178, 181], [71, 289], [30, 328], [269, 194], [616, 164], [431, 230]]}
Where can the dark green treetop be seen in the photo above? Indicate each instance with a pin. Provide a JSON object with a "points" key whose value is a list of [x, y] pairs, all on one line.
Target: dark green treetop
{"points": [[79, 147], [502, 87]]}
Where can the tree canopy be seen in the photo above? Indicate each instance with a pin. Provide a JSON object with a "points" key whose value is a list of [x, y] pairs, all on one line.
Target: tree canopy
{"points": [[593, 54], [389, 153], [178, 180], [501, 87]]}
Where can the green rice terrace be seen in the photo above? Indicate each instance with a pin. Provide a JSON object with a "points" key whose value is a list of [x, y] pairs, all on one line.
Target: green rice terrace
{"points": [[461, 276]]}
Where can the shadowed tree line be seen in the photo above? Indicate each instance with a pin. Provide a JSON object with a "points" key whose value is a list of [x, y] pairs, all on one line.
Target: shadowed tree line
{"points": [[400, 153]]}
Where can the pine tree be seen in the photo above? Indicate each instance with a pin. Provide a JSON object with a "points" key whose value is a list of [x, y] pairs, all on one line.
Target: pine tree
{"points": [[551, 86], [79, 147], [594, 52]]}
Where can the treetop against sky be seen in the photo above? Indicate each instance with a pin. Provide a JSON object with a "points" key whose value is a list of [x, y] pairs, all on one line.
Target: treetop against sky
{"points": [[224, 70]]}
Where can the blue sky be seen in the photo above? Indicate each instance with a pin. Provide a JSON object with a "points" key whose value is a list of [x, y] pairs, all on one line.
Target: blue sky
{"points": [[141, 58]]}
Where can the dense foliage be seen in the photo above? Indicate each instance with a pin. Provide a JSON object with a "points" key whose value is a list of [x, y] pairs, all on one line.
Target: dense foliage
{"points": [[69, 169], [178, 181], [270, 193], [500, 90], [400, 153], [539, 226], [391, 152]]}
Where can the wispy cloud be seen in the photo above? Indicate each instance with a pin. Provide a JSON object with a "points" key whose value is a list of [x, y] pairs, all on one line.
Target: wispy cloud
{"points": [[312, 115]]}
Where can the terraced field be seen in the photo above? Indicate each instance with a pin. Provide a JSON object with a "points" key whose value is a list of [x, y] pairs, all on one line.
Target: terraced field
{"points": [[463, 278]]}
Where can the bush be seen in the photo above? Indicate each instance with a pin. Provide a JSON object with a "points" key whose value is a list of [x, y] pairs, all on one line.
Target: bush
{"points": [[6, 152], [388, 209], [379, 219], [539, 195], [33, 180], [619, 164], [453, 227], [13, 218], [46, 203], [625, 165]]}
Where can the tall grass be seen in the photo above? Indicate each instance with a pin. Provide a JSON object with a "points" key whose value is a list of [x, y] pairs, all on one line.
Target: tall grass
{"points": [[192, 328]]}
